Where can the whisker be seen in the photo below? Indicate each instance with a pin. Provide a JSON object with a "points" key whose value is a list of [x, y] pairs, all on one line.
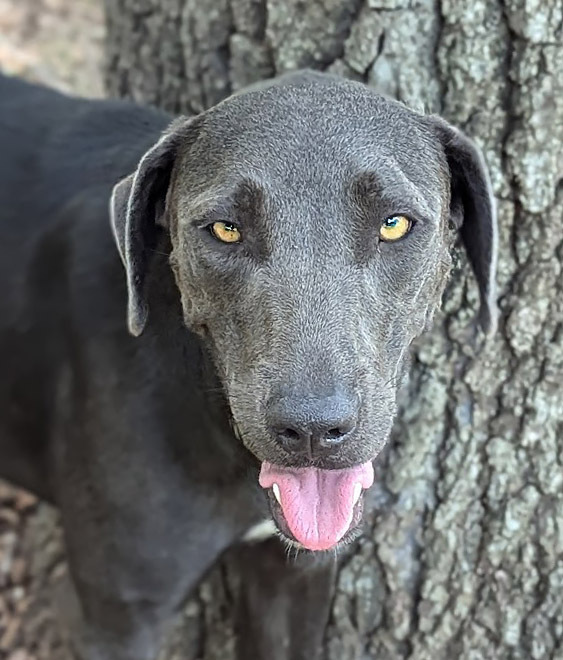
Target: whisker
{"points": [[164, 254]]}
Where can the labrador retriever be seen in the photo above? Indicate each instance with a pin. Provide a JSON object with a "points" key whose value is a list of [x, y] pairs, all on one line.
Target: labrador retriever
{"points": [[204, 323]]}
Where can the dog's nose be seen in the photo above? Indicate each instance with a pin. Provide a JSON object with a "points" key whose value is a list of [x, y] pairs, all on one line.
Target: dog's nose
{"points": [[316, 426]]}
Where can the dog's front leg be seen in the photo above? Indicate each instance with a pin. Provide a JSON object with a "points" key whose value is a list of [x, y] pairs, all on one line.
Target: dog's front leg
{"points": [[105, 624], [136, 547], [120, 630], [284, 602]]}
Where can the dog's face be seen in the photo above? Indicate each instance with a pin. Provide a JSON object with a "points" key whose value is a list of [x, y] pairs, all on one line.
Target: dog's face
{"points": [[311, 224]]}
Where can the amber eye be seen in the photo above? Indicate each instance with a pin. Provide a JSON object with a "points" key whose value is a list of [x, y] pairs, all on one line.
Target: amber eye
{"points": [[394, 228], [226, 232]]}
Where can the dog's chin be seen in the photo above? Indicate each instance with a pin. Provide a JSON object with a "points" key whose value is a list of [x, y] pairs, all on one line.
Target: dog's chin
{"points": [[286, 536]]}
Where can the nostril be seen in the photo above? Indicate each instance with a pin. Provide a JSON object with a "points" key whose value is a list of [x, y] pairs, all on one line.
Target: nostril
{"points": [[335, 434], [289, 436], [313, 425]]}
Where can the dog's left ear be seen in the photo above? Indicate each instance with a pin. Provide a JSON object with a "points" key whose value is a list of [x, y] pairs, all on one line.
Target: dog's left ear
{"points": [[473, 213], [137, 207]]}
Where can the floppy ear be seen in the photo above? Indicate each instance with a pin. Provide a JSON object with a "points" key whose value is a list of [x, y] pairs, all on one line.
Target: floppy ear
{"points": [[473, 212], [137, 207]]}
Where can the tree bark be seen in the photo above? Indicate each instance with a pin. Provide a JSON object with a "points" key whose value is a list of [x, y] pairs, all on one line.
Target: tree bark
{"points": [[462, 554]]}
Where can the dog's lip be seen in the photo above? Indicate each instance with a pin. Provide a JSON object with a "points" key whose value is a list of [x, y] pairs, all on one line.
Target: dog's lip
{"points": [[283, 528], [277, 510], [299, 493], [236, 430], [292, 462]]}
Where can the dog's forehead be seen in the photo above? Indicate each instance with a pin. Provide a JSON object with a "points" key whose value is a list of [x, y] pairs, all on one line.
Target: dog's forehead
{"points": [[304, 145], [295, 131]]}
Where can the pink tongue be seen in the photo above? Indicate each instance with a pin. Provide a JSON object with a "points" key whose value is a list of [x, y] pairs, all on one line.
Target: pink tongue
{"points": [[318, 505]]}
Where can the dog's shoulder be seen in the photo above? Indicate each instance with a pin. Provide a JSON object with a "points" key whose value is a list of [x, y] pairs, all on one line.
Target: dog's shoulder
{"points": [[59, 160], [63, 144]]}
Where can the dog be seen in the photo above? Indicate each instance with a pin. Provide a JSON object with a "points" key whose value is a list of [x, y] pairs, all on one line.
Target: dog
{"points": [[204, 324]]}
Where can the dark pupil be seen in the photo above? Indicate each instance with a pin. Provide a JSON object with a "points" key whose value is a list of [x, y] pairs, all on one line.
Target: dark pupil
{"points": [[391, 222], [229, 227]]}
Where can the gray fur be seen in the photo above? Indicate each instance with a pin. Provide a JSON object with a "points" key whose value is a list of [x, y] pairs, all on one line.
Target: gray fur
{"points": [[330, 305], [150, 441]]}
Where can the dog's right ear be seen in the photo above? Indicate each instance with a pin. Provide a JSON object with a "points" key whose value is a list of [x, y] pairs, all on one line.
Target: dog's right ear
{"points": [[137, 207]]}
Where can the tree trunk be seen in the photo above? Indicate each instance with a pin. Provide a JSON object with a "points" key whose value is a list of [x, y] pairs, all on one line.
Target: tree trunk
{"points": [[462, 555]]}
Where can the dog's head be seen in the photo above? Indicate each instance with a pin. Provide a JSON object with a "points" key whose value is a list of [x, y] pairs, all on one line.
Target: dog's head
{"points": [[311, 222]]}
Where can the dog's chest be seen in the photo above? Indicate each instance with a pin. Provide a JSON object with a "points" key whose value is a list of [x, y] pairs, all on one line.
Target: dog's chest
{"points": [[260, 532]]}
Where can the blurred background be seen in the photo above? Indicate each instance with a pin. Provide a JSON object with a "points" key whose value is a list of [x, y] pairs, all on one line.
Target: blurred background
{"points": [[57, 42]]}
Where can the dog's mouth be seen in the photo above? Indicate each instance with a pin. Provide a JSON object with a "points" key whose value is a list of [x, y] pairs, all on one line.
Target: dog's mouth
{"points": [[315, 507]]}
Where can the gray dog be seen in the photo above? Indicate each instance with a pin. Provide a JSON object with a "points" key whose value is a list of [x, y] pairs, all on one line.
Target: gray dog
{"points": [[203, 326]]}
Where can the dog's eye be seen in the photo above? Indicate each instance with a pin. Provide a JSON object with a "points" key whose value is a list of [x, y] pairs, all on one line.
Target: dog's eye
{"points": [[226, 232], [394, 228]]}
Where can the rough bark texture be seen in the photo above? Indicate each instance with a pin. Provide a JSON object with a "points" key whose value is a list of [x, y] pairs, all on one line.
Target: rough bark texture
{"points": [[462, 557]]}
